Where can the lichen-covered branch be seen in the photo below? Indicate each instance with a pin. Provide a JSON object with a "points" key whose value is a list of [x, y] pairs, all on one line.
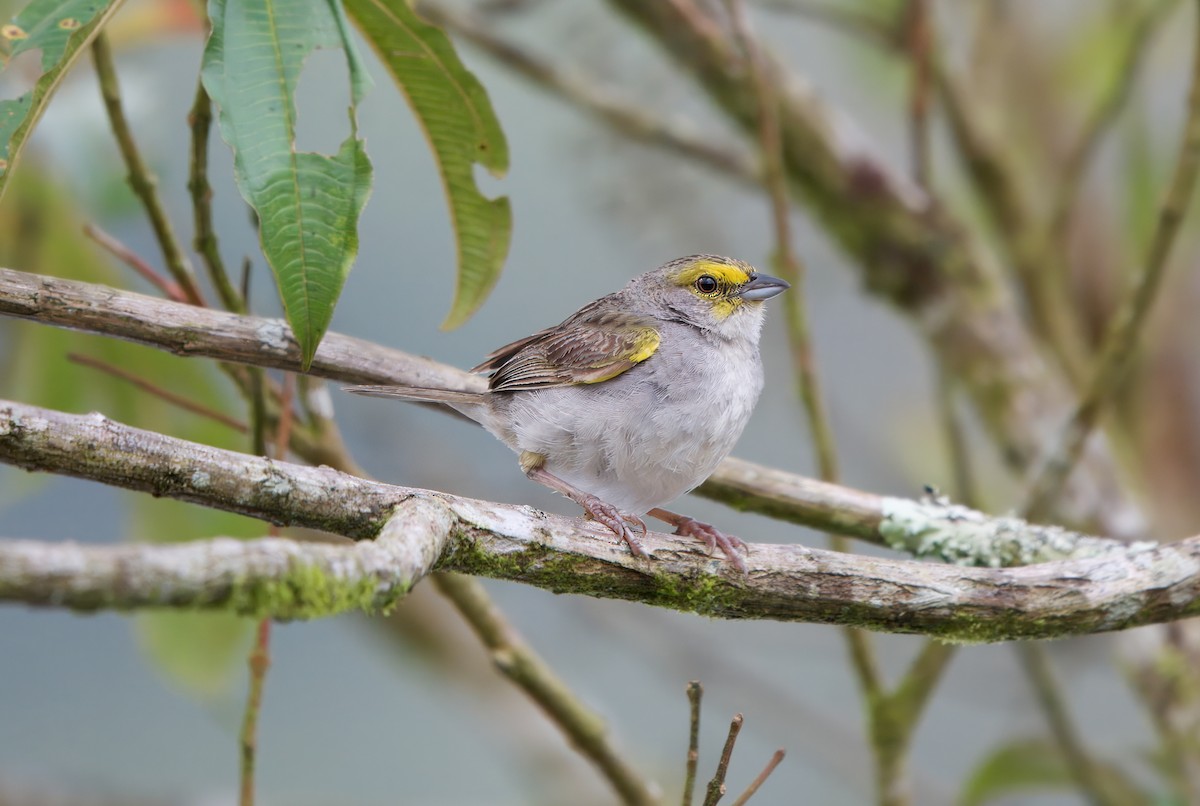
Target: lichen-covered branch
{"points": [[1122, 587]]}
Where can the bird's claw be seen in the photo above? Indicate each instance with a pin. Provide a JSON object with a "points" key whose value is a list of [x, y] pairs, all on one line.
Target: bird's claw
{"points": [[619, 522], [714, 538]]}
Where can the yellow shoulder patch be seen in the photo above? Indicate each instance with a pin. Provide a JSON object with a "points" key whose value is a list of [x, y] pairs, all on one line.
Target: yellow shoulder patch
{"points": [[642, 345]]}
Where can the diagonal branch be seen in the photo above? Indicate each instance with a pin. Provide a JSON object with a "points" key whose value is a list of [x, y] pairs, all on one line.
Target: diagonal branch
{"points": [[1121, 588]]}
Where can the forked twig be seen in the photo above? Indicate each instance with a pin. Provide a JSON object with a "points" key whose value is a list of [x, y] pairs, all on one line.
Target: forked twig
{"points": [[716, 787]]}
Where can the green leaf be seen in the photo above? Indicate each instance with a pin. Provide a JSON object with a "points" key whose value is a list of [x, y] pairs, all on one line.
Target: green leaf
{"points": [[307, 204], [61, 29], [453, 108], [1034, 763]]}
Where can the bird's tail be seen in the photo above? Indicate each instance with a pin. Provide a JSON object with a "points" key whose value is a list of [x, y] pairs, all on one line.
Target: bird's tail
{"points": [[450, 397]]}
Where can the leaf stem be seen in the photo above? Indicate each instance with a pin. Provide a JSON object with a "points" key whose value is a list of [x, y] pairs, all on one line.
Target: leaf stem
{"points": [[200, 120]]}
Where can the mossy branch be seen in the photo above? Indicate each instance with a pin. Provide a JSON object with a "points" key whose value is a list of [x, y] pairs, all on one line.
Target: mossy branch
{"points": [[1121, 588]]}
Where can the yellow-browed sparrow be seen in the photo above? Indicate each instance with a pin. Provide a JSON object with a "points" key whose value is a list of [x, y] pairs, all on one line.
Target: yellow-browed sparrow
{"points": [[635, 398]]}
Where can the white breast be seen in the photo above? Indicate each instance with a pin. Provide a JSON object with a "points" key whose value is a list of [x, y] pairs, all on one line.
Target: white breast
{"points": [[648, 436]]}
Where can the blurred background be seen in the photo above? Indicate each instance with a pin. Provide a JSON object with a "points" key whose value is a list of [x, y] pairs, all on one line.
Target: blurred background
{"points": [[146, 709]]}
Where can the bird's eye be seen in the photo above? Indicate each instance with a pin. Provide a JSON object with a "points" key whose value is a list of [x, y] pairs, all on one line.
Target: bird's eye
{"points": [[706, 284]]}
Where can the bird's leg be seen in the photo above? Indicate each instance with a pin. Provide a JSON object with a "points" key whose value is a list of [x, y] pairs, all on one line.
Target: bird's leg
{"points": [[599, 511], [712, 537]]}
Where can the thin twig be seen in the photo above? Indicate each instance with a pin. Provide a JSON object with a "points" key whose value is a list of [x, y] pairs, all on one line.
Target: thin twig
{"points": [[517, 660], [260, 661], [996, 179], [626, 117], [850, 21], [180, 401], [140, 178], [1125, 332], [200, 119], [694, 692], [757, 783], [716, 787], [169, 288], [962, 469], [1036, 665], [896, 715], [260, 655], [862, 653], [919, 40], [1103, 115]]}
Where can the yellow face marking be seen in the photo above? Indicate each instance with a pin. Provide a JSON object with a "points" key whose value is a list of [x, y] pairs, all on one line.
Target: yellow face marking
{"points": [[728, 276]]}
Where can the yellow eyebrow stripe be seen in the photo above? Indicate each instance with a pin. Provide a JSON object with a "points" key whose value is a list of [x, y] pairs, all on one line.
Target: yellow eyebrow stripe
{"points": [[725, 273]]}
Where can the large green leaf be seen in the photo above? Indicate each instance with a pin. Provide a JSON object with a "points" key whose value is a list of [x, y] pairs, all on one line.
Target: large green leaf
{"points": [[462, 128], [1038, 764], [308, 204], [61, 29]]}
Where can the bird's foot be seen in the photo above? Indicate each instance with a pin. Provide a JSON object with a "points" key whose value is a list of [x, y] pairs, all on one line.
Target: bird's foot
{"points": [[712, 537], [616, 520]]}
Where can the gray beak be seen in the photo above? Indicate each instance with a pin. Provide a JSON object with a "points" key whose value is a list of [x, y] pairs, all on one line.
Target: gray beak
{"points": [[763, 286]]}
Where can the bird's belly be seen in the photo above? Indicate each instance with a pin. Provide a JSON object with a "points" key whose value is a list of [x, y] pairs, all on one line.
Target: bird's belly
{"points": [[634, 445]]}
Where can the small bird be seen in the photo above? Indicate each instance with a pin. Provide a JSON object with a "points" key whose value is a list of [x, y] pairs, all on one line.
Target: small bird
{"points": [[635, 398]]}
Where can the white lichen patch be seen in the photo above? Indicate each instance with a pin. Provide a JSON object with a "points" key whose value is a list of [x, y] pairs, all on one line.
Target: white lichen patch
{"points": [[31, 425], [273, 336], [934, 528], [201, 479], [276, 484]]}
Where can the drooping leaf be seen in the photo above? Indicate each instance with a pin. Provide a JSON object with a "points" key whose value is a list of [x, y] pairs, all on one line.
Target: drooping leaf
{"points": [[60, 29], [453, 108], [1038, 764], [308, 204]]}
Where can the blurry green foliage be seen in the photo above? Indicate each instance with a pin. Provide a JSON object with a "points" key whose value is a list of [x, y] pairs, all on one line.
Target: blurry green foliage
{"points": [[1036, 764]]}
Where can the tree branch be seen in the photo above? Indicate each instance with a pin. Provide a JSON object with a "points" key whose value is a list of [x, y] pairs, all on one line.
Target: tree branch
{"points": [[271, 576], [932, 529], [1136, 585]]}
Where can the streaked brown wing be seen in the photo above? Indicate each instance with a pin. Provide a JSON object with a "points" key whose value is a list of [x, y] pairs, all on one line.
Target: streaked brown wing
{"points": [[589, 347]]}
